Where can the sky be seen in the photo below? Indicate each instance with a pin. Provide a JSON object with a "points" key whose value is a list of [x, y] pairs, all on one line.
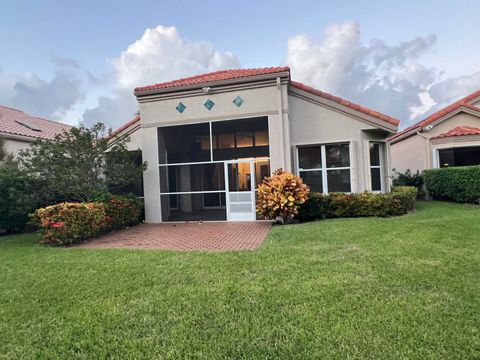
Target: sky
{"points": [[80, 61]]}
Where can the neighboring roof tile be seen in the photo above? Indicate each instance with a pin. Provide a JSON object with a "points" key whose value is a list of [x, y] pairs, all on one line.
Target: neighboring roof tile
{"points": [[214, 76], [14, 121], [346, 103], [459, 131], [125, 126], [441, 113]]}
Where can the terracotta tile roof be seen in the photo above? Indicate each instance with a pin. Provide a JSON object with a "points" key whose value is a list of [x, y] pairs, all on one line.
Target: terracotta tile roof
{"points": [[459, 131], [124, 126], [214, 76], [16, 122], [346, 103], [441, 113]]}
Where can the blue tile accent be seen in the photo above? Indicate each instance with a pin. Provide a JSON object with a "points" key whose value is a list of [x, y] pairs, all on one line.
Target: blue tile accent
{"points": [[180, 107], [238, 101], [209, 104]]}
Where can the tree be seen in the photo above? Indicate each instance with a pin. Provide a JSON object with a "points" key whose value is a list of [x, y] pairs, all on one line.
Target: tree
{"points": [[80, 164], [20, 194]]}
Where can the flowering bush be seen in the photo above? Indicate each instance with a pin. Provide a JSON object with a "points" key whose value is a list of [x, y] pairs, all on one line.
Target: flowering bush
{"points": [[121, 210], [280, 196], [70, 223]]}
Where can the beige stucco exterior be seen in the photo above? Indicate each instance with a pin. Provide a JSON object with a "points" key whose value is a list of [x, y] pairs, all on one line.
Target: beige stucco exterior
{"points": [[294, 118], [418, 151], [14, 144]]}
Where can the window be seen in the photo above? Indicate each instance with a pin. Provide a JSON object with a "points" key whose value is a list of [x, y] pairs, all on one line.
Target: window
{"points": [[240, 139], [325, 168], [460, 156], [375, 167]]}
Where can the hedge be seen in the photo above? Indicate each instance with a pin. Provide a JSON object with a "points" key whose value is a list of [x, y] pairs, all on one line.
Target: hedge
{"points": [[334, 205], [461, 184], [70, 223]]}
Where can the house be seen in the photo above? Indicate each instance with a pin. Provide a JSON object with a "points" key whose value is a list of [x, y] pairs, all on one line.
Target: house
{"points": [[448, 137], [210, 139], [19, 129]]}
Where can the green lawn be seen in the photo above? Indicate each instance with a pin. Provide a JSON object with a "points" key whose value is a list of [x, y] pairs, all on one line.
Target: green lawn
{"points": [[398, 288]]}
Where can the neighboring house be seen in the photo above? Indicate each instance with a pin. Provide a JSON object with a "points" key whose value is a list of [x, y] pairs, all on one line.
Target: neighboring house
{"points": [[210, 139], [449, 137], [130, 129], [20, 129]]}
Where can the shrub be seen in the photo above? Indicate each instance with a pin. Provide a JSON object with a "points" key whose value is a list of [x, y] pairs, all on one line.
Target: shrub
{"points": [[70, 223], [406, 196], [314, 208], [20, 194], [121, 210], [461, 184], [409, 178], [280, 195], [335, 205]]}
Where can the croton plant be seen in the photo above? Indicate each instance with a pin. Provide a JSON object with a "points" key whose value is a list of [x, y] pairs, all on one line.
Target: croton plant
{"points": [[280, 196]]}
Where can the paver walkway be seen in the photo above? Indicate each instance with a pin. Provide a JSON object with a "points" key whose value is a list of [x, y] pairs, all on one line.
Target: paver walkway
{"points": [[207, 236]]}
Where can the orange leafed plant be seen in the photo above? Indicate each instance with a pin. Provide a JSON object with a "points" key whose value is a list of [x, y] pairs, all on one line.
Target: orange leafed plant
{"points": [[280, 196]]}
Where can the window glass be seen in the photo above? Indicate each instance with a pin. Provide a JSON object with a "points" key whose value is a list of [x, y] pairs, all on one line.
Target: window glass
{"points": [[241, 138], [239, 177], [262, 170], [374, 154], [337, 155], [261, 138], [184, 143], [310, 157], [226, 141], [376, 179], [338, 180], [461, 156], [244, 139], [313, 179]]}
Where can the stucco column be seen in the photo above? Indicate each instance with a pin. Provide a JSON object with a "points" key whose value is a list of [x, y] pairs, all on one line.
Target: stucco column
{"points": [[151, 181]]}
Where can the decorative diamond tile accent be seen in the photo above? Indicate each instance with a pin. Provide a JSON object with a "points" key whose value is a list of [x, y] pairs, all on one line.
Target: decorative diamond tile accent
{"points": [[238, 101], [209, 104], [180, 107]]}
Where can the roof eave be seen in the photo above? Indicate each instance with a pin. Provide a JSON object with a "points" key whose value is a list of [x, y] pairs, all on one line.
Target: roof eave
{"points": [[239, 80]]}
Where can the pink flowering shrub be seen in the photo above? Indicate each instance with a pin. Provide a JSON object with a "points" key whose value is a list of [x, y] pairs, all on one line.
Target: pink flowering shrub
{"points": [[70, 223]]}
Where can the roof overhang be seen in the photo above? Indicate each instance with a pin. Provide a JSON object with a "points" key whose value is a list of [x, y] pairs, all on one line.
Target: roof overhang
{"points": [[217, 83], [468, 109]]}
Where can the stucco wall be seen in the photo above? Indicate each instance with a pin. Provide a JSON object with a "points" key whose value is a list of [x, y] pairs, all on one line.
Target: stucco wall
{"points": [[14, 146], [450, 123], [410, 153], [311, 123]]}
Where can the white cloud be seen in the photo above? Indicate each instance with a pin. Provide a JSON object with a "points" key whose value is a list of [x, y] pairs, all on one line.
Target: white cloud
{"points": [[50, 99], [388, 78], [451, 89], [161, 54]]}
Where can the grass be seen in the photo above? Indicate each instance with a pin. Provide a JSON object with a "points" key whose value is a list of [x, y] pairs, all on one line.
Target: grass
{"points": [[397, 288]]}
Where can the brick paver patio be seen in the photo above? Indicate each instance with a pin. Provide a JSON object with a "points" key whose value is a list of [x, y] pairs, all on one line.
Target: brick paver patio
{"points": [[207, 236]]}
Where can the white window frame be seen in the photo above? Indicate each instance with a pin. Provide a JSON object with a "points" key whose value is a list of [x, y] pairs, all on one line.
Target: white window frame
{"points": [[380, 166], [324, 170]]}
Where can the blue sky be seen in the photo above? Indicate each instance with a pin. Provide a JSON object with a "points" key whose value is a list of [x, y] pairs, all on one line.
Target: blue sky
{"points": [[63, 59]]}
